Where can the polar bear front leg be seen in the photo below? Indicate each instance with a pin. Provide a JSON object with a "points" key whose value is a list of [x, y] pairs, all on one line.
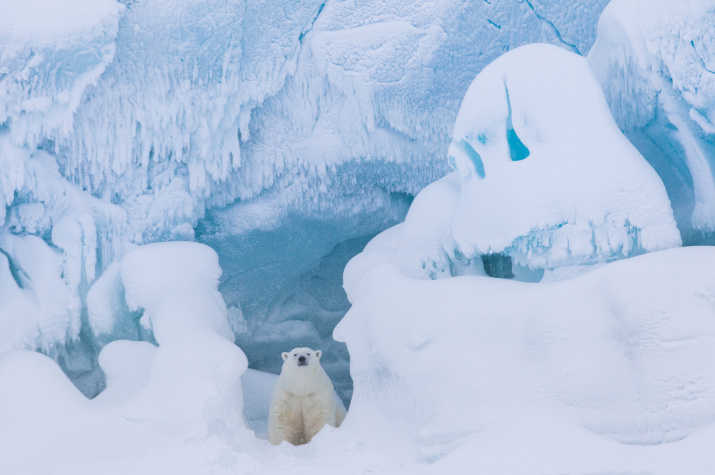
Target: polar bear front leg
{"points": [[318, 410], [285, 421]]}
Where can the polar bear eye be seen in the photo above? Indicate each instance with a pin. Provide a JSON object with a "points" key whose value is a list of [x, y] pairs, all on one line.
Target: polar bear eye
{"points": [[295, 354], [308, 354]]}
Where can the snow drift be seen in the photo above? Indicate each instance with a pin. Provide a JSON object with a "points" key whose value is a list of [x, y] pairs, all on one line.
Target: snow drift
{"points": [[623, 351], [194, 374]]}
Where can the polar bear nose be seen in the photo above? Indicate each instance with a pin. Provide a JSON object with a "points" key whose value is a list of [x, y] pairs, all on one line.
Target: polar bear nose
{"points": [[301, 360]]}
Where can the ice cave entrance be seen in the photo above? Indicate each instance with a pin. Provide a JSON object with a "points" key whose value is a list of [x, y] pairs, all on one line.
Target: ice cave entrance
{"points": [[283, 289]]}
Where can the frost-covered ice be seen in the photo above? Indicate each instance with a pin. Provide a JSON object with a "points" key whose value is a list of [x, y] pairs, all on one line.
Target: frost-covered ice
{"points": [[53, 240], [656, 63], [544, 176], [50, 53]]}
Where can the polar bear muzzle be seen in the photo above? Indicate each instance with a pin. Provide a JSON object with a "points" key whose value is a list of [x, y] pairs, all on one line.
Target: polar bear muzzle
{"points": [[302, 358]]}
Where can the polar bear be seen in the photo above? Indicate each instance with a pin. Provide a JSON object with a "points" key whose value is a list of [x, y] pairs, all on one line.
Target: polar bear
{"points": [[303, 400]]}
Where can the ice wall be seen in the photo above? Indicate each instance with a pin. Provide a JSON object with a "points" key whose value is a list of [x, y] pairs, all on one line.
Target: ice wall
{"points": [[656, 65], [151, 117]]}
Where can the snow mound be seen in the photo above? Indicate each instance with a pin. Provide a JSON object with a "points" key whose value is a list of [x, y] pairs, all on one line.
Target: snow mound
{"points": [[546, 177], [195, 371], [656, 63], [624, 351]]}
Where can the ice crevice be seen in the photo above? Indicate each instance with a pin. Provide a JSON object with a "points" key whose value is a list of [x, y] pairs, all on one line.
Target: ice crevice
{"points": [[551, 28]]}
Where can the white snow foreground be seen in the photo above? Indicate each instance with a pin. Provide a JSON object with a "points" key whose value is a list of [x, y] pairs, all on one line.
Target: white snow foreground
{"points": [[543, 175], [656, 63], [607, 372]]}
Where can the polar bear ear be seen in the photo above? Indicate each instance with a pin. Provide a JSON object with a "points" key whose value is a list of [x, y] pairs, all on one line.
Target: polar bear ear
{"points": [[285, 356], [318, 354]]}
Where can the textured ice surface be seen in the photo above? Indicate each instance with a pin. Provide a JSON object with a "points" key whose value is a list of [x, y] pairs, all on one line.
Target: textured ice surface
{"points": [[50, 53], [623, 351], [54, 238], [205, 104], [656, 63]]}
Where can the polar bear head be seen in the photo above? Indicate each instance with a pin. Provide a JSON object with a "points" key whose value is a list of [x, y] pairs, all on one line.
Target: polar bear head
{"points": [[302, 358]]}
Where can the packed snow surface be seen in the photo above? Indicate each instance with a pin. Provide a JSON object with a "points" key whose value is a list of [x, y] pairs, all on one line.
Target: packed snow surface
{"points": [[623, 351]]}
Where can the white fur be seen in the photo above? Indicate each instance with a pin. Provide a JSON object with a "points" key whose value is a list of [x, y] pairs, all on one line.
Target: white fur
{"points": [[303, 400]]}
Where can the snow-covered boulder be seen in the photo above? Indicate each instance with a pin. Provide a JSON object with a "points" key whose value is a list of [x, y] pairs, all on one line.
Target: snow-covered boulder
{"points": [[192, 379], [656, 63], [544, 176]]}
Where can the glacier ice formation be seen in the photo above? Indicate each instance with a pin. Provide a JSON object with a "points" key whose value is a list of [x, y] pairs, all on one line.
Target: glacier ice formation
{"points": [[136, 122], [277, 131], [285, 135]]}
